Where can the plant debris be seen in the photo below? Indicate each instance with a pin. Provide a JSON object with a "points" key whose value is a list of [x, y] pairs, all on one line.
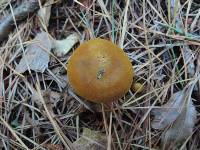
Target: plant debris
{"points": [[20, 13], [179, 114], [44, 14], [62, 47], [36, 56], [90, 139], [38, 108]]}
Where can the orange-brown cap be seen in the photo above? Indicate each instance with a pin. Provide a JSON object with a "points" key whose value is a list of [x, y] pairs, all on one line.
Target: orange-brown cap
{"points": [[100, 71]]}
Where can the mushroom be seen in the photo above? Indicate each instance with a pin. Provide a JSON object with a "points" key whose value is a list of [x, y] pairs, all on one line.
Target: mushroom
{"points": [[137, 87], [100, 71]]}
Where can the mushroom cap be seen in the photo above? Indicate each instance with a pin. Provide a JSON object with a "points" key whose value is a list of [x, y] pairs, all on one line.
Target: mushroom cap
{"points": [[100, 71]]}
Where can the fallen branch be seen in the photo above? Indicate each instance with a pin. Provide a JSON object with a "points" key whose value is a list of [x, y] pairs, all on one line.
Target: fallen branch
{"points": [[20, 13]]}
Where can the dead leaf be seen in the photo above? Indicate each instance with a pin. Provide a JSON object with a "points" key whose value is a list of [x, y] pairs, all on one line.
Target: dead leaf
{"points": [[34, 95], [182, 127], [180, 113], [44, 14], [51, 98], [55, 96], [91, 140], [53, 147], [36, 55], [168, 113], [62, 47], [188, 57]]}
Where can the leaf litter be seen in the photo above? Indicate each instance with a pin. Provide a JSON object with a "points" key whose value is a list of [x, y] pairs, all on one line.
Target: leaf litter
{"points": [[189, 57], [178, 114], [36, 56], [91, 140], [62, 47], [44, 14], [37, 53], [105, 20]]}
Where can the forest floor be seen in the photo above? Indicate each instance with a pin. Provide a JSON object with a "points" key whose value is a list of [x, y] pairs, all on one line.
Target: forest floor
{"points": [[40, 110]]}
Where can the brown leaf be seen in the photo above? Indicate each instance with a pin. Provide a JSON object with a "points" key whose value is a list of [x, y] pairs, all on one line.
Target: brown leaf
{"points": [[53, 147], [182, 127], [167, 113], [36, 55], [179, 113]]}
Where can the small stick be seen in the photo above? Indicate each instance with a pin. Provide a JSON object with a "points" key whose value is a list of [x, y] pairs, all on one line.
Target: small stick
{"points": [[20, 13]]}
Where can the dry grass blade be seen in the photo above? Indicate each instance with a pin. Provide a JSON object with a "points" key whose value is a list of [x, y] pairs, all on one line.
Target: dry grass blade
{"points": [[39, 109], [124, 25], [109, 134], [44, 14], [13, 133], [103, 7], [186, 20], [55, 125]]}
